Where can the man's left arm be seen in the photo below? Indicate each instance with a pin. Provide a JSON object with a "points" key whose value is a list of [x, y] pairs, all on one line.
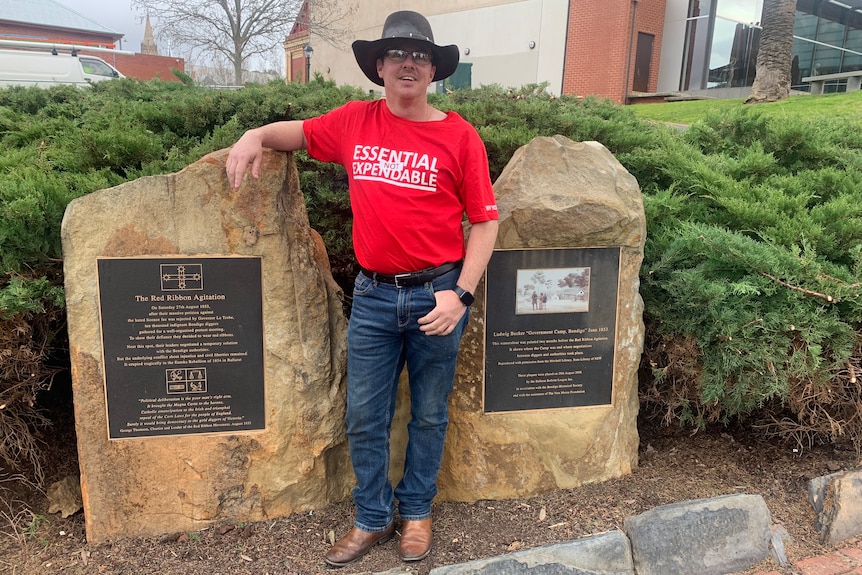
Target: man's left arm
{"points": [[480, 246], [449, 310]]}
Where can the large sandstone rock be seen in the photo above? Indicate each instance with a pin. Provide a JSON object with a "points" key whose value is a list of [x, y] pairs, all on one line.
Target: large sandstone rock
{"points": [[553, 193], [151, 485]]}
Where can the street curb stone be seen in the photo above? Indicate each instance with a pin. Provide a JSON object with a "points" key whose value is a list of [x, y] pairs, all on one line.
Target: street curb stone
{"points": [[837, 500], [712, 536], [705, 536], [603, 554]]}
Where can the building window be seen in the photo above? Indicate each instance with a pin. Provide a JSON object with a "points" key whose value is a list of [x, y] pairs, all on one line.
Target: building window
{"points": [[804, 28], [698, 38], [722, 38], [827, 40]]}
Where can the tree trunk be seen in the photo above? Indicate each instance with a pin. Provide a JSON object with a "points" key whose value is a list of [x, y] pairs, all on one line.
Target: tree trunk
{"points": [[237, 72], [772, 79]]}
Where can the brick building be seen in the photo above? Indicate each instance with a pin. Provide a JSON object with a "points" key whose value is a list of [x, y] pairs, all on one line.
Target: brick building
{"points": [[625, 59], [296, 48], [606, 48], [624, 50], [51, 22]]}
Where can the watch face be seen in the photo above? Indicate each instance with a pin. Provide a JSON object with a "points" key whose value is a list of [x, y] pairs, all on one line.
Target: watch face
{"points": [[466, 297]]}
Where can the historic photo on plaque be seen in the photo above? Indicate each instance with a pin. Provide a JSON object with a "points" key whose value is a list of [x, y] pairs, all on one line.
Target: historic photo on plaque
{"points": [[182, 340], [550, 328]]}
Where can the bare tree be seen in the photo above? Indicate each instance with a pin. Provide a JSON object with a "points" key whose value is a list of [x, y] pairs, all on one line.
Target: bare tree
{"points": [[329, 20], [237, 29], [772, 79]]}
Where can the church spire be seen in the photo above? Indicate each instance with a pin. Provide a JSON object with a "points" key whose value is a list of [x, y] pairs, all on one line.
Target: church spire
{"points": [[148, 46]]}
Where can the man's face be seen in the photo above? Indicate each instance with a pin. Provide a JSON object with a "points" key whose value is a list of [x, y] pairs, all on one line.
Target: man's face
{"points": [[400, 69]]}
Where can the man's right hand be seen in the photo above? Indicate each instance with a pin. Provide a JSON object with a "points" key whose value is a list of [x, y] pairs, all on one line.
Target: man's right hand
{"points": [[285, 136], [247, 150]]}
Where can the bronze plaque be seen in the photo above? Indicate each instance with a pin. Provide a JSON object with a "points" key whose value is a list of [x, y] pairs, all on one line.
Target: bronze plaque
{"points": [[182, 339], [550, 328]]}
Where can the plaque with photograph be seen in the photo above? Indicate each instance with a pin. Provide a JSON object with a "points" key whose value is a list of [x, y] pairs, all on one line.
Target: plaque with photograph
{"points": [[550, 328], [182, 340]]}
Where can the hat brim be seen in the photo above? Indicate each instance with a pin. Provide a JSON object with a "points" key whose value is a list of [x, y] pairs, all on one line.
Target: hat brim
{"points": [[367, 52]]}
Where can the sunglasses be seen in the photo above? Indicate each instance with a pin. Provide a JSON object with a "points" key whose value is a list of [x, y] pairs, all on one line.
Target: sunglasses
{"points": [[419, 58]]}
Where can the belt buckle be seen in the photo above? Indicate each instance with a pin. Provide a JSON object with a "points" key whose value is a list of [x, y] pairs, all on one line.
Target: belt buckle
{"points": [[402, 277]]}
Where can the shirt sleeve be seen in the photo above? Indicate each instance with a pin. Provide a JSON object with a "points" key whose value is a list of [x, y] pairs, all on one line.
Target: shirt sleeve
{"points": [[325, 134], [479, 199]]}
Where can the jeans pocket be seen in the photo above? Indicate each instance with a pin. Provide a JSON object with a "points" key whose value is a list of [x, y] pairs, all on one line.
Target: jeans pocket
{"points": [[444, 282], [362, 284]]}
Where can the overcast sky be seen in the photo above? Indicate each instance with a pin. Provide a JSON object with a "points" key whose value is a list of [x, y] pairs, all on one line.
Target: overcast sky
{"points": [[116, 15], [119, 17]]}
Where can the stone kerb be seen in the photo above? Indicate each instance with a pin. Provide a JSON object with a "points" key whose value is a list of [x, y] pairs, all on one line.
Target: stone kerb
{"points": [[151, 485], [725, 534], [553, 193], [602, 554], [837, 501], [713, 536]]}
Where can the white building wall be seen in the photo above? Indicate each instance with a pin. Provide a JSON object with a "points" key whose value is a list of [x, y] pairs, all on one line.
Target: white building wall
{"points": [[497, 34], [672, 45]]}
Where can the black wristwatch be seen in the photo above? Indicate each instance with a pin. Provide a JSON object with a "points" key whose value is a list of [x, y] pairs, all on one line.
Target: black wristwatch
{"points": [[465, 296]]}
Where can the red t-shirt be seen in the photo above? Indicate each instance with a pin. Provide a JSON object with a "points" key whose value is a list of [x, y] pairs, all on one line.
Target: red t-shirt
{"points": [[410, 183]]}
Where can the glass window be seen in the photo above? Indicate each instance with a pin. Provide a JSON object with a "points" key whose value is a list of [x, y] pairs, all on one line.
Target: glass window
{"points": [[744, 11], [723, 64], [722, 38], [830, 32], [694, 76], [734, 54], [699, 8], [827, 59], [803, 50], [805, 25], [96, 67], [804, 31], [721, 43], [853, 43]]}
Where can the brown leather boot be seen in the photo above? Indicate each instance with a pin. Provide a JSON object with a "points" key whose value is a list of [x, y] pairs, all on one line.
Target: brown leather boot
{"points": [[354, 545], [415, 540]]}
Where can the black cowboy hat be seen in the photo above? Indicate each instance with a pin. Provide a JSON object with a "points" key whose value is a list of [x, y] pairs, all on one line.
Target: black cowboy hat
{"points": [[408, 25]]}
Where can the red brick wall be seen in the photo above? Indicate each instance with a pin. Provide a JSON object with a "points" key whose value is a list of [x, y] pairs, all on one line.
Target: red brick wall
{"points": [[597, 60], [144, 66]]}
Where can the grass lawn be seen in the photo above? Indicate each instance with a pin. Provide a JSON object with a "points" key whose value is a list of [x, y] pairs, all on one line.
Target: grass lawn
{"points": [[846, 105]]}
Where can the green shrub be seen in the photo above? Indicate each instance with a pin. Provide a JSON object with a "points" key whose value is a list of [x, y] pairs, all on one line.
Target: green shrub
{"points": [[752, 266]]}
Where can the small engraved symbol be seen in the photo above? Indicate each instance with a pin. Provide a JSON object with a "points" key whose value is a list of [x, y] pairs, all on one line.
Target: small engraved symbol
{"points": [[182, 277], [186, 380]]}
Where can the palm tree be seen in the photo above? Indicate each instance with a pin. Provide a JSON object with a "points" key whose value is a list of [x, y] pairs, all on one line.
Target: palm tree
{"points": [[772, 79]]}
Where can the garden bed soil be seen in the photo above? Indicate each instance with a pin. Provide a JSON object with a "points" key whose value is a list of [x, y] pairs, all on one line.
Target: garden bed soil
{"points": [[673, 466]]}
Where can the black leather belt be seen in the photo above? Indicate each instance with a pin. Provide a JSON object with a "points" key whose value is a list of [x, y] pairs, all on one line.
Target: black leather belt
{"points": [[413, 278]]}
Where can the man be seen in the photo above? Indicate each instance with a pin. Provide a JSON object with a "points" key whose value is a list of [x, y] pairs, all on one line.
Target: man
{"points": [[414, 171]]}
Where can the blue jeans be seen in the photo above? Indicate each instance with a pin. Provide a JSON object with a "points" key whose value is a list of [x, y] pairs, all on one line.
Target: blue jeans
{"points": [[383, 334]]}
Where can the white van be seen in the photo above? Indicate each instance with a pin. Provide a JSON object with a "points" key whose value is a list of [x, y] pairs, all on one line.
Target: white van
{"points": [[31, 68]]}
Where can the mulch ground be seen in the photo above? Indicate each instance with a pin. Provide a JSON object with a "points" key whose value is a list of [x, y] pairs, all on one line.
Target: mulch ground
{"points": [[673, 466]]}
